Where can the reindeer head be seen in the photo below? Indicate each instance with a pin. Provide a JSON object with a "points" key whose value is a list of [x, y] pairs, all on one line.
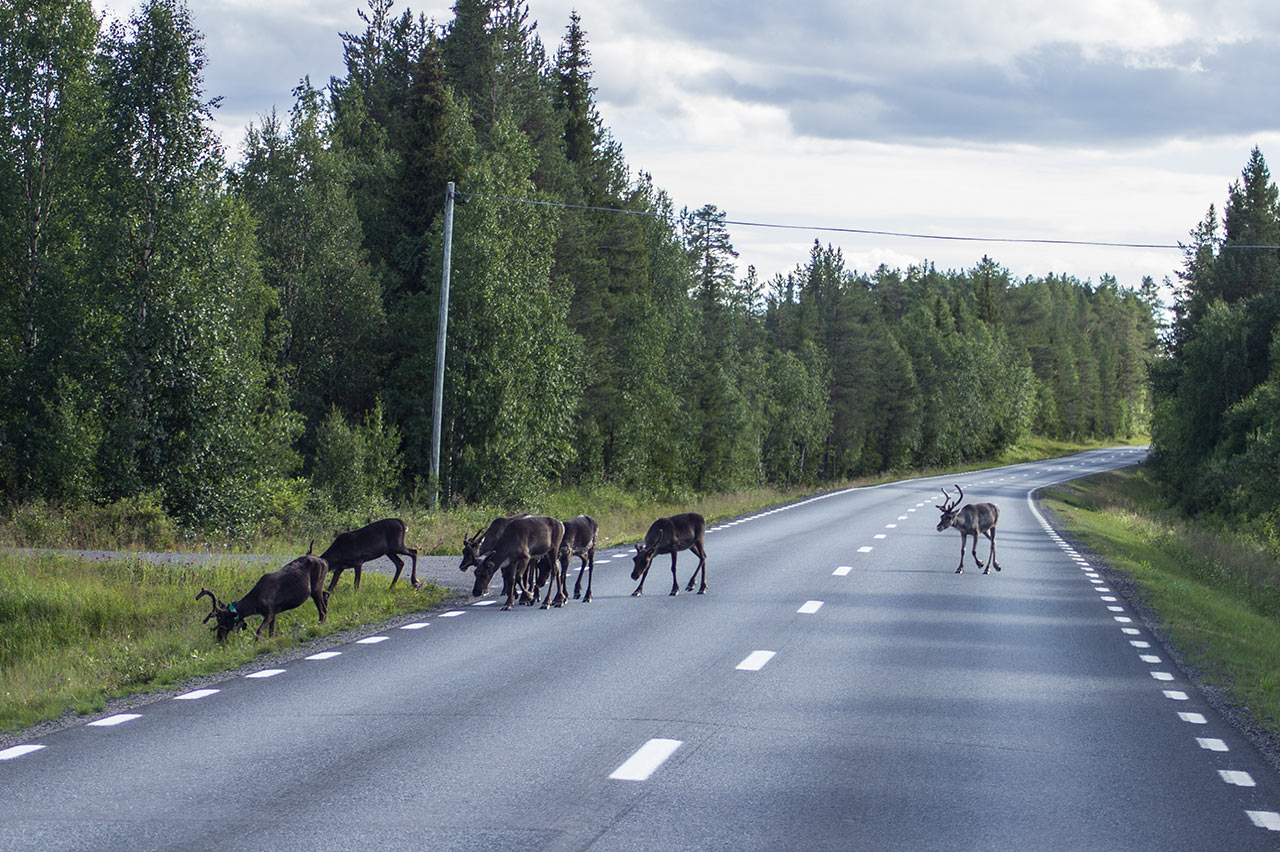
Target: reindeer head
{"points": [[643, 559], [471, 550], [226, 619], [486, 567], [948, 508]]}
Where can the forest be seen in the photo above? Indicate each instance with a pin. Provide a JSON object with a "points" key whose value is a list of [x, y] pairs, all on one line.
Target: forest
{"points": [[243, 340]]}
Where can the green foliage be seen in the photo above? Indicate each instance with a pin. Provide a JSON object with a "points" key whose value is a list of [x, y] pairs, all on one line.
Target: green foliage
{"points": [[177, 331], [1213, 432], [357, 467]]}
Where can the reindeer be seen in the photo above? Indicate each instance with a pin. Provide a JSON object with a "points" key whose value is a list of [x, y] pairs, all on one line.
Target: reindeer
{"points": [[670, 535], [274, 593], [580, 541], [380, 538], [972, 520], [523, 543], [476, 547]]}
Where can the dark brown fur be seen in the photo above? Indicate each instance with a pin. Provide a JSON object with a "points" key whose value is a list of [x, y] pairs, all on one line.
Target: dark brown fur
{"points": [[274, 593], [671, 535]]}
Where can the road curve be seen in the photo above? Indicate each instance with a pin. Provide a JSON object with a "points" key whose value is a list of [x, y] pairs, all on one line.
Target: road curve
{"points": [[839, 687]]}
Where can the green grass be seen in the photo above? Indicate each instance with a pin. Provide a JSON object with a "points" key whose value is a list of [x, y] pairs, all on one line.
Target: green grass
{"points": [[1215, 594], [74, 634]]}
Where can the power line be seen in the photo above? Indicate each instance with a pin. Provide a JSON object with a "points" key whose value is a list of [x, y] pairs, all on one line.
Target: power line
{"points": [[868, 231]]}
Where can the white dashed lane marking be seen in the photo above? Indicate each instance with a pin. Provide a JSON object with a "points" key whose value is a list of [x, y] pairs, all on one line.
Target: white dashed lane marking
{"points": [[18, 751], [1193, 718], [416, 625], [755, 661], [646, 760], [842, 570], [1270, 820], [325, 655], [112, 721], [1175, 695], [372, 640], [195, 695], [266, 673], [1212, 744], [810, 607], [1236, 777]]}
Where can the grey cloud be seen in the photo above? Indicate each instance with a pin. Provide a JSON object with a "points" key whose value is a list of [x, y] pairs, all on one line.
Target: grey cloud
{"points": [[866, 71], [1052, 95]]}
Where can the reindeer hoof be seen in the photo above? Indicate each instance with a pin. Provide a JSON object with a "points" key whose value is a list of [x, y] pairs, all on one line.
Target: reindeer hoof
{"points": [[702, 591], [507, 608], [960, 570], [587, 599], [637, 593]]}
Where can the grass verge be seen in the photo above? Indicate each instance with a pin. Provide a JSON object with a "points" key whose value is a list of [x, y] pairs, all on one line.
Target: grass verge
{"points": [[1213, 595], [74, 634]]}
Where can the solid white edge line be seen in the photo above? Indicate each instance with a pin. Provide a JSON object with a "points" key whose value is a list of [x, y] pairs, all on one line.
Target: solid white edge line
{"points": [[646, 760]]}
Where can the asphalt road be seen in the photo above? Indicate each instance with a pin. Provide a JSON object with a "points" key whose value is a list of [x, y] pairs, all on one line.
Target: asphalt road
{"points": [[839, 687]]}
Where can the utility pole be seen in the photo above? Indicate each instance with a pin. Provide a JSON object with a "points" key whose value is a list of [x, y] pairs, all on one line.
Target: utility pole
{"points": [[437, 400]]}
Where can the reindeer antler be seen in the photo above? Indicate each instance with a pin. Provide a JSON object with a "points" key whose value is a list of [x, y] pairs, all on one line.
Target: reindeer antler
{"points": [[212, 597], [946, 502], [961, 490]]}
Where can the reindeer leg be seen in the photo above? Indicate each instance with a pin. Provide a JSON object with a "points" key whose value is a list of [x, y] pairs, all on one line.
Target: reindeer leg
{"points": [[960, 570], [976, 560], [509, 581], [562, 597], [357, 568], [675, 583], [591, 572], [577, 587], [991, 534], [337, 572], [413, 574], [702, 567]]}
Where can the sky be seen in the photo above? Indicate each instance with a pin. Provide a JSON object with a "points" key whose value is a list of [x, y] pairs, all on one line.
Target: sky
{"points": [[1115, 121]]}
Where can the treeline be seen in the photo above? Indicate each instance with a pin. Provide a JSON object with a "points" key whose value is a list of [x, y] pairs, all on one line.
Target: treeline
{"points": [[1216, 429], [248, 340]]}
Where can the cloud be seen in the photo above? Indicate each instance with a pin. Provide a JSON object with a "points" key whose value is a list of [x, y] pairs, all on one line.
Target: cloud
{"points": [[1130, 72]]}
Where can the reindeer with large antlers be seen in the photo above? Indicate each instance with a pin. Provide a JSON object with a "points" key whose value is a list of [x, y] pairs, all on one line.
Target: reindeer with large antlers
{"points": [[274, 593], [972, 520]]}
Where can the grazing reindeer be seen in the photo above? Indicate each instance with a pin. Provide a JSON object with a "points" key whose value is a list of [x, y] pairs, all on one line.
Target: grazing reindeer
{"points": [[481, 544], [973, 520], [670, 535], [380, 538], [523, 543], [274, 593], [580, 541]]}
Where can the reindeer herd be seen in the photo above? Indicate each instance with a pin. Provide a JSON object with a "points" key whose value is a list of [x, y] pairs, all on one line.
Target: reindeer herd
{"points": [[530, 551]]}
